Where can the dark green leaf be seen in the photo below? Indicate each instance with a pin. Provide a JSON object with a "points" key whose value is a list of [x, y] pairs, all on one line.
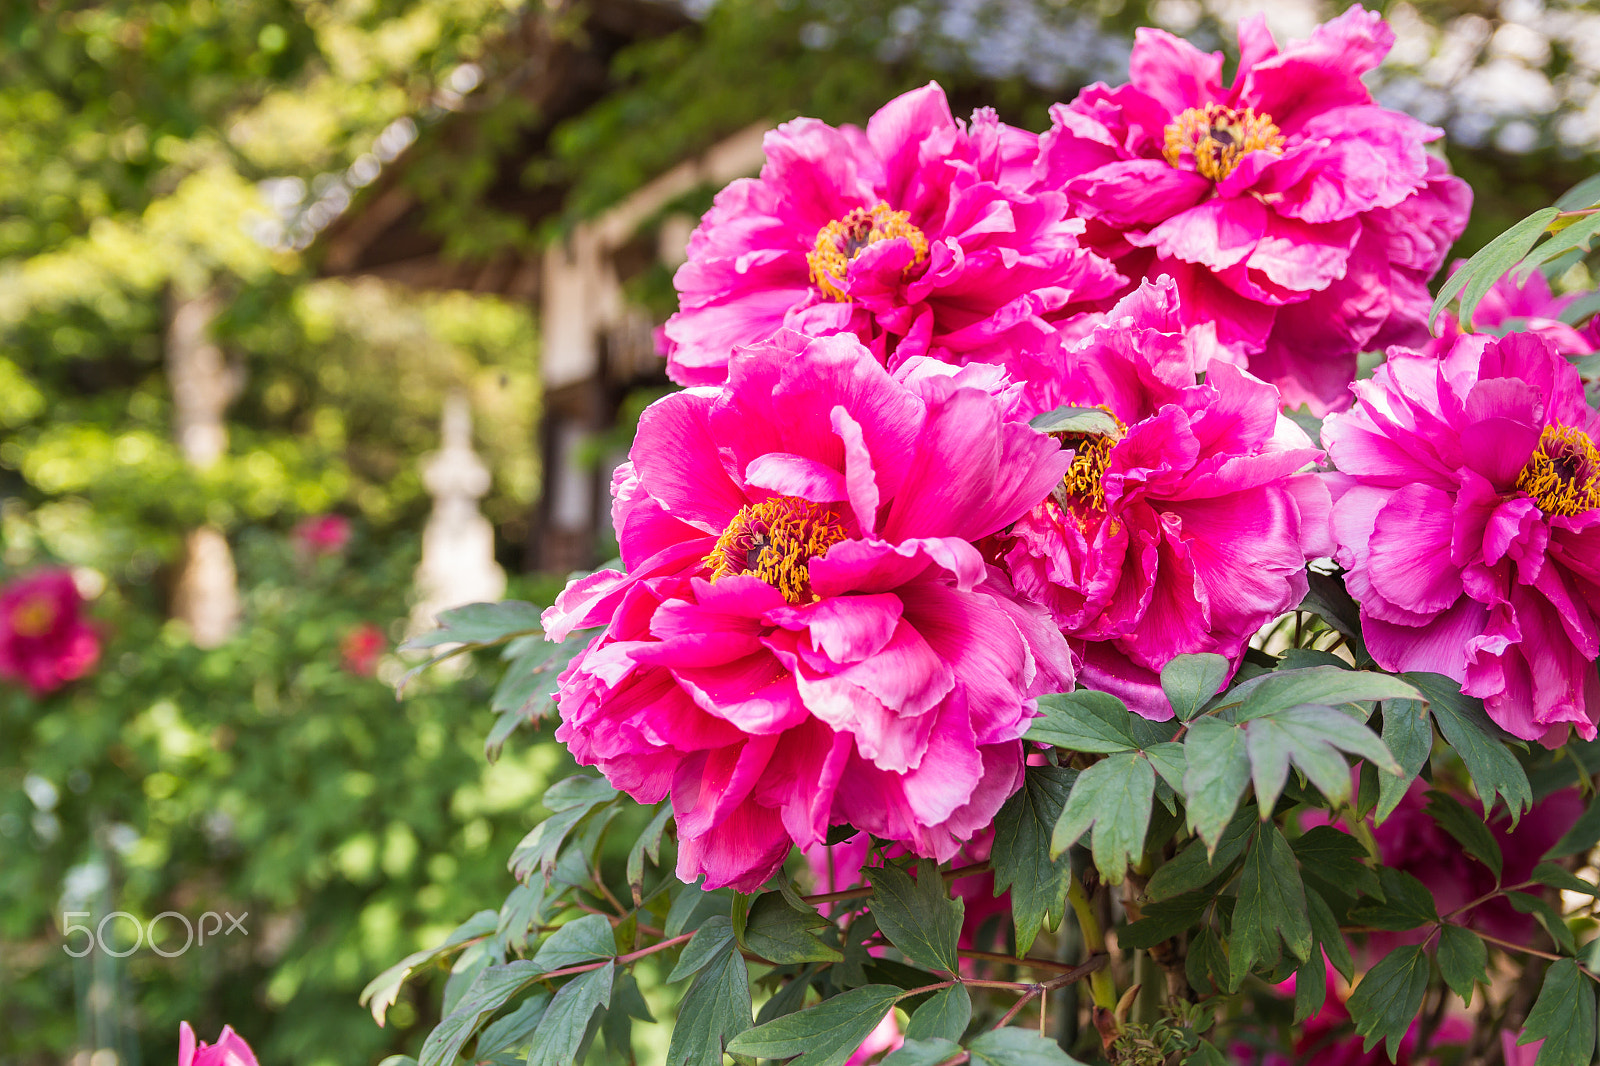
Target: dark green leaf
{"points": [[1467, 729], [922, 1053], [1463, 960], [1084, 721], [515, 1029], [1327, 599], [616, 1023], [1012, 1046], [1337, 858], [1479, 273], [1206, 1054], [1191, 680], [1310, 988], [779, 933], [789, 997], [1218, 770], [1326, 929], [1467, 829], [1408, 734], [582, 940], [1165, 919], [1207, 965], [944, 1016], [1572, 238], [480, 623], [649, 843], [1406, 903], [1547, 916], [494, 987], [692, 906], [1191, 868], [1171, 762], [1113, 796], [1563, 1017], [1021, 852], [1548, 873], [824, 1035], [1272, 905], [383, 989], [918, 917], [565, 1023], [1089, 421], [1389, 997], [715, 1010], [1584, 834], [1327, 686], [709, 941]]}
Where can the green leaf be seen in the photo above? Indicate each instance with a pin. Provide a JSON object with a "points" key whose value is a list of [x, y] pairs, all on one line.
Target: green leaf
{"points": [[714, 1011], [922, 1053], [1463, 960], [693, 905], [1467, 829], [1191, 680], [707, 943], [515, 1029], [616, 1022], [1165, 919], [1328, 686], [1170, 761], [1563, 1017], [582, 940], [571, 801], [1310, 988], [779, 933], [1584, 194], [1272, 905], [945, 1015], [1088, 721], [1548, 873], [1207, 965], [1113, 796], [1584, 834], [1562, 241], [824, 1035], [1408, 734], [1406, 903], [1468, 729], [565, 1023], [1338, 859], [1206, 1054], [526, 692], [1194, 867], [789, 998], [1309, 737], [1089, 421], [1218, 770], [481, 624], [1021, 852], [1388, 998], [649, 843], [384, 989], [1326, 929], [1328, 599], [492, 989], [1491, 261], [1013, 1046], [1547, 916], [918, 916]]}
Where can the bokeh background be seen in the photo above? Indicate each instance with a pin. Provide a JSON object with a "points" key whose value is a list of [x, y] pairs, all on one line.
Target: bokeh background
{"points": [[321, 218]]}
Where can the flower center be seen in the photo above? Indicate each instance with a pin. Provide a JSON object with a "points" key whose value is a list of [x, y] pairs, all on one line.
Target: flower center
{"points": [[1091, 455], [1563, 474], [776, 540], [1215, 138], [33, 617], [841, 240]]}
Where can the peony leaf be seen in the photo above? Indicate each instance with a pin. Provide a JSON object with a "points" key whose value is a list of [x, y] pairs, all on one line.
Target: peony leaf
{"points": [[1563, 1017], [492, 989], [383, 989], [707, 942], [1165, 919], [1408, 734], [1467, 828], [1584, 194], [944, 1016], [1463, 960], [582, 940], [649, 843], [1013, 1046], [1584, 834], [1327, 598], [918, 917], [824, 1035], [564, 1029], [1194, 867], [1468, 729], [515, 1029], [1569, 238], [778, 933], [1326, 929], [1095, 722], [1327, 686], [1486, 267], [714, 1011], [1090, 421], [1218, 770], [481, 624], [1547, 916], [1272, 906], [1548, 873], [1389, 997], [1191, 680], [1021, 852], [1405, 904], [1338, 860], [914, 1052], [1310, 987], [1113, 796]]}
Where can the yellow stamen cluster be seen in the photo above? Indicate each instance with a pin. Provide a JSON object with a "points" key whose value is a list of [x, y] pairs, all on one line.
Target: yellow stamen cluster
{"points": [[1215, 138], [842, 240], [1091, 456], [1563, 475], [776, 540], [33, 617]]}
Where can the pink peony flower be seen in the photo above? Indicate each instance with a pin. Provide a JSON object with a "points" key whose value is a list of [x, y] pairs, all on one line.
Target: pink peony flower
{"points": [[1515, 1054], [360, 648], [325, 534], [1467, 512], [1527, 308], [1293, 212], [1328, 1037], [1185, 532], [229, 1050], [806, 635], [915, 234], [44, 640]]}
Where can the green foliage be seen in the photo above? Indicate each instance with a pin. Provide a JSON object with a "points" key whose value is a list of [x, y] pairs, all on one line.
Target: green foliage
{"points": [[1389, 997], [1563, 1017]]}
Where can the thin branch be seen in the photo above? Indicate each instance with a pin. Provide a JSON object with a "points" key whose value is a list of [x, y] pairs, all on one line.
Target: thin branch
{"points": [[620, 960], [1031, 961], [1022, 1001]]}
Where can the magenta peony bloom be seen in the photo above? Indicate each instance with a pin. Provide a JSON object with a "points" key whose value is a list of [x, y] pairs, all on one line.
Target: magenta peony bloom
{"points": [[229, 1050], [1527, 308], [915, 234], [806, 635], [1295, 213], [44, 640], [1467, 512], [325, 534], [1188, 530]]}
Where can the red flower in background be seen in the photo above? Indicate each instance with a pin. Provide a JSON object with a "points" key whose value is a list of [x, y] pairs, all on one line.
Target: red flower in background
{"points": [[360, 649], [44, 640], [325, 534]]}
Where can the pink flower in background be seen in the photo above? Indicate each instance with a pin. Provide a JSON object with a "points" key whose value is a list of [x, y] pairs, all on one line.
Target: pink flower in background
{"points": [[325, 534], [1296, 214], [1186, 530], [886, 1037], [1328, 1037], [44, 640], [915, 234], [229, 1050], [806, 635], [1527, 308], [360, 649], [1467, 512], [1516, 1054]]}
